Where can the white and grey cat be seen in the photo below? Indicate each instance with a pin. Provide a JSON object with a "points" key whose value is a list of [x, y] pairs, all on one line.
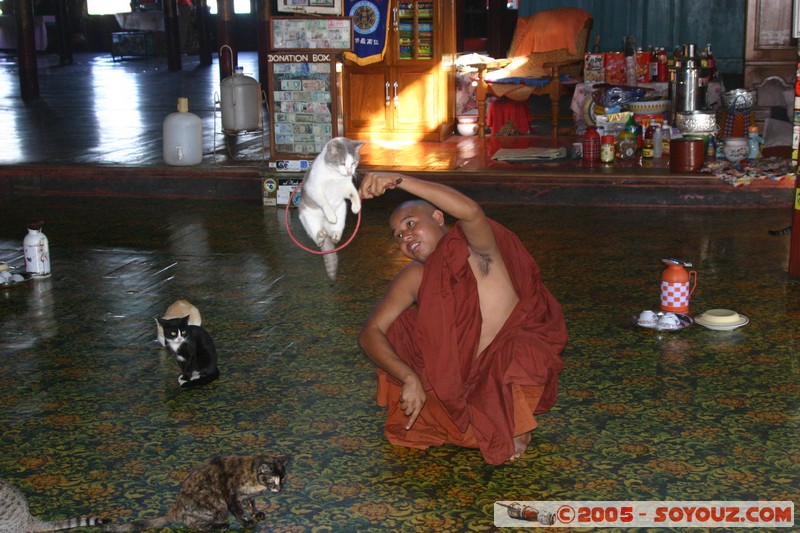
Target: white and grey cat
{"points": [[327, 185], [15, 515]]}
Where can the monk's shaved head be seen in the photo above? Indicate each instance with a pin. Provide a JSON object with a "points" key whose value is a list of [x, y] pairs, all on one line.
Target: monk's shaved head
{"points": [[423, 206]]}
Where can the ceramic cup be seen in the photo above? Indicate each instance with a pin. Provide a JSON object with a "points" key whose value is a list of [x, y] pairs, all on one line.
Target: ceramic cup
{"points": [[647, 319], [668, 321]]}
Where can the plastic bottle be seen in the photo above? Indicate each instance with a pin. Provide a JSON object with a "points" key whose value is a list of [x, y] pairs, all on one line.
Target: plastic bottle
{"points": [[754, 141], [630, 60], [711, 148], [653, 63], [241, 102], [591, 145], [36, 249], [607, 149], [183, 137], [663, 64], [666, 137], [658, 142]]}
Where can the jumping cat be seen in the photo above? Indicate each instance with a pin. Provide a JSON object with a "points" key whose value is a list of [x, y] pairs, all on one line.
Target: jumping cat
{"points": [[326, 186], [15, 515], [193, 348], [221, 486], [178, 309]]}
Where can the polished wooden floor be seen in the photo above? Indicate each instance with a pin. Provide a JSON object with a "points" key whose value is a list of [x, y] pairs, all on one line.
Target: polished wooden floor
{"points": [[96, 129]]}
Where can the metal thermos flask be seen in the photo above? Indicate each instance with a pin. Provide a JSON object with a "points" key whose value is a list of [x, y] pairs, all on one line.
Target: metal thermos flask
{"points": [[688, 82]]}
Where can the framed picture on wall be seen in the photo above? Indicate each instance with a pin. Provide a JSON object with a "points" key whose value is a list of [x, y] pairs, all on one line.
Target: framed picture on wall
{"points": [[311, 33], [321, 7]]}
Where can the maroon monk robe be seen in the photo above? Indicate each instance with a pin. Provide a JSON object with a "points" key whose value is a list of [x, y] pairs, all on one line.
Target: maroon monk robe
{"points": [[439, 340]]}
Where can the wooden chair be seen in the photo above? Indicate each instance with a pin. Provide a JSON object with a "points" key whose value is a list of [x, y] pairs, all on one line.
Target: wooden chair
{"points": [[547, 48]]}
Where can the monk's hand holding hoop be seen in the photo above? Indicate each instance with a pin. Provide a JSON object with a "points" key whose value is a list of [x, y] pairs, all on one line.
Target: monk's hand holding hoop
{"points": [[374, 185]]}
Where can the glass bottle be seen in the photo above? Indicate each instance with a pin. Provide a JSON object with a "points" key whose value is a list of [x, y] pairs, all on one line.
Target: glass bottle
{"points": [[607, 147], [627, 145]]}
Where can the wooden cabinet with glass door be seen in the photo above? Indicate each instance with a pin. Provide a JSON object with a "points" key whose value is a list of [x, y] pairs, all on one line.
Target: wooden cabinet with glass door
{"points": [[410, 95]]}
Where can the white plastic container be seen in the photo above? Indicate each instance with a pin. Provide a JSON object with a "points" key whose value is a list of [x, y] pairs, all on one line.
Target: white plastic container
{"points": [[240, 100], [183, 137], [36, 248]]}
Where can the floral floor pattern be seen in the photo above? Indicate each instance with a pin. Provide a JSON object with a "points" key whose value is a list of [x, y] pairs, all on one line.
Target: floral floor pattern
{"points": [[94, 422]]}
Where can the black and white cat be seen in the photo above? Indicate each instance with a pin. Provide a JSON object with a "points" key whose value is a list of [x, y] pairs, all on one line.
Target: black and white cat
{"points": [[15, 515], [177, 309], [193, 348], [327, 185], [223, 485]]}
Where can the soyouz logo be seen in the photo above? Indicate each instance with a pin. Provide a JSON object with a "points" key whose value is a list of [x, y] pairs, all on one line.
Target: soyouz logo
{"points": [[644, 514]]}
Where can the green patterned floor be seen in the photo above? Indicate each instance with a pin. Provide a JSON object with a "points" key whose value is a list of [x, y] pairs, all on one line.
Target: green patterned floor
{"points": [[94, 422]]}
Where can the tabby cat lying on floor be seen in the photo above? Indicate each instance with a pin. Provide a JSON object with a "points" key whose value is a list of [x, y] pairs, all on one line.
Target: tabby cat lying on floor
{"points": [[220, 486], [15, 516]]}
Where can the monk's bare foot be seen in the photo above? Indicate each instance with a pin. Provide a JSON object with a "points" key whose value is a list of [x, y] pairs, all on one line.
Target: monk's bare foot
{"points": [[520, 445]]}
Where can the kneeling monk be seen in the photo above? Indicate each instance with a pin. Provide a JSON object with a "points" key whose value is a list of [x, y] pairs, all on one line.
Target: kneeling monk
{"points": [[467, 339]]}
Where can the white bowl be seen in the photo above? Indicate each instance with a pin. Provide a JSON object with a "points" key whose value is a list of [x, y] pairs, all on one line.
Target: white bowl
{"points": [[735, 149], [467, 129], [721, 319]]}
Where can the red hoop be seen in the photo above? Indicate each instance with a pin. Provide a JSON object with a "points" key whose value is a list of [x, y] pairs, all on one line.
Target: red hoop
{"points": [[307, 249]]}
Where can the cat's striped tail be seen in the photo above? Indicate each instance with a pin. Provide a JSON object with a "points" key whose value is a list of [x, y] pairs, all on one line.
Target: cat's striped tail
{"points": [[331, 260], [70, 523], [139, 525], [783, 231]]}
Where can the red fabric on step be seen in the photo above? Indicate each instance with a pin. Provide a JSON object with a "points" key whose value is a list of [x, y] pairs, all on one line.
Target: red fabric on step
{"points": [[502, 110]]}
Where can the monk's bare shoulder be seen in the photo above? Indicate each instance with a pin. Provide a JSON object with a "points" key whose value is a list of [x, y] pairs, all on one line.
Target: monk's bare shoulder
{"points": [[409, 279]]}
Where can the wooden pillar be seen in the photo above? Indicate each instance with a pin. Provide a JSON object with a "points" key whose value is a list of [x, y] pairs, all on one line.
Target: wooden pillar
{"points": [[262, 17], [202, 18], [173, 34], [26, 51], [500, 27], [794, 244], [226, 22], [63, 33]]}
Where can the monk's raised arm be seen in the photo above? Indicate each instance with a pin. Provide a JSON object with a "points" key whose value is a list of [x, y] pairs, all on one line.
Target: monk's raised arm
{"points": [[473, 220]]}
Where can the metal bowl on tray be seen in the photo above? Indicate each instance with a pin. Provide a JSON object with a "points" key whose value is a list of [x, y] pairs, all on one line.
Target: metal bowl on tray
{"points": [[739, 99], [700, 122]]}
